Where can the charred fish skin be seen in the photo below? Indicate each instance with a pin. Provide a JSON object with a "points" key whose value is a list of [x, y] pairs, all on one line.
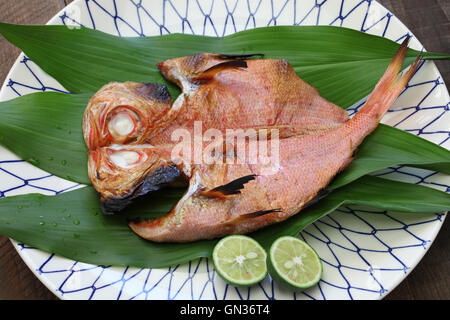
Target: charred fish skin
{"points": [[158, 179], [153, 92], [308, 163], [122, 173]]}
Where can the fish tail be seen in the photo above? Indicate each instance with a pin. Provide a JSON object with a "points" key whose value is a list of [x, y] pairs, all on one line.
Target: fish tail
{"points": [[389, 87]]}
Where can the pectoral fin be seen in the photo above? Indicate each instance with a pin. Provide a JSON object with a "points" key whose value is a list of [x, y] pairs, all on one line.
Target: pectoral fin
{"points": [[252, 215], [240, 56], [232, 188], [208, 74]]}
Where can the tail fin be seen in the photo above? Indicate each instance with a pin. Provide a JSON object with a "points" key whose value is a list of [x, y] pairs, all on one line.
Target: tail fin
{"points": [[390, 86]]}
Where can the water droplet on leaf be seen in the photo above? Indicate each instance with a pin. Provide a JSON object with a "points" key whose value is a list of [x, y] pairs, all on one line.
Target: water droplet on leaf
{"points": [[34, 161]]}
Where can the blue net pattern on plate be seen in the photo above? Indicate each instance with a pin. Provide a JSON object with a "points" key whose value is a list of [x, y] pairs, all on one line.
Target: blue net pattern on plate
{"points": [[349, 268]]}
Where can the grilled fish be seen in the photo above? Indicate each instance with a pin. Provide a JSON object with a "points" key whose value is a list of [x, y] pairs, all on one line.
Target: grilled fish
{"points": [[253, 93], [124, 121], [225, 199]]}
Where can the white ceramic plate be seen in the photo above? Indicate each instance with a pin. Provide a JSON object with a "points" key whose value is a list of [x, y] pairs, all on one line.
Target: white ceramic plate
{"points": [[365, 253]]}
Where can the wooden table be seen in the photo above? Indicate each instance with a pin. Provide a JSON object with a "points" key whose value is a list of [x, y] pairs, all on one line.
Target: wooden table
{"points": [[428, 20]]}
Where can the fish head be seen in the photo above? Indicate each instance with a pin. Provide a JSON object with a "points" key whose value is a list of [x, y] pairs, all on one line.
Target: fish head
{"points": [[122, 173], [123, 113]]}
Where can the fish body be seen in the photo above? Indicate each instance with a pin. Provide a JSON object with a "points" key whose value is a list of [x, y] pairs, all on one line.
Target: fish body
{"points": [[308, 162], [267, 93], [127, 125], [129, 131]]}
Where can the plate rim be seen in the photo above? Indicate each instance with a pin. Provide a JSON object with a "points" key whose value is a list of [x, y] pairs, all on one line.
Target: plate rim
{"points": [[54, 289]]}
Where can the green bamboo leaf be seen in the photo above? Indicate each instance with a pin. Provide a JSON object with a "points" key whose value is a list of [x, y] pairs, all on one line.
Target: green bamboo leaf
{"points": [[72, 225], [86, 59], [388, 146], [343, 64], [46, 130], [367, 191]]}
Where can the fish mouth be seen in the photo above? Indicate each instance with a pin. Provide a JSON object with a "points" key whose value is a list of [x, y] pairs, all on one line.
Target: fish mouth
{"points": [[157, 179]]}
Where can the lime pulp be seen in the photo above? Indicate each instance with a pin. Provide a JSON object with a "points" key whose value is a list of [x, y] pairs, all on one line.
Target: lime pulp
{"points": [[294, 264], [240, 260]]}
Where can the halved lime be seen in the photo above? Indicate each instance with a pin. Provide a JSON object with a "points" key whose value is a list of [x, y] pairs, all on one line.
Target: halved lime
{"points": [[240, 260], [294, 264]]}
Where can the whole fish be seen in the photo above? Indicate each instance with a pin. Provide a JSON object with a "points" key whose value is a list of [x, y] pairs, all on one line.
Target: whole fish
{"points": [[225, 199], [123, 122]]}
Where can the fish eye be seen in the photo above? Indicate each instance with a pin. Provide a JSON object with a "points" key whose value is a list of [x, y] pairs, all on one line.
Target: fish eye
{"points": [[123, 123], [127, 158]]}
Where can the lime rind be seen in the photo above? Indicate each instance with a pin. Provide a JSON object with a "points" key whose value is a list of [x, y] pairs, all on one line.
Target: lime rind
{"points": [[240, 260], [278, 264]]}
